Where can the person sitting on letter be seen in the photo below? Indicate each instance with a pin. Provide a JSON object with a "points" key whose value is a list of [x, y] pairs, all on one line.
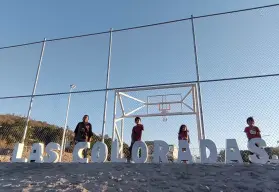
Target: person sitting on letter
{"points": [[183, 134], [252, 131], [136, 135], [83, 132]]}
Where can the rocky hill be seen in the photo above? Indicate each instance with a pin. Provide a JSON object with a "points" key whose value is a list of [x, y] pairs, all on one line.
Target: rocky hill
{"points": [[12, 128]]}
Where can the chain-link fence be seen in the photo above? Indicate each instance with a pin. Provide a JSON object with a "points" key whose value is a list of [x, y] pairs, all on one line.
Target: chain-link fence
{"points": [[232, 57]]}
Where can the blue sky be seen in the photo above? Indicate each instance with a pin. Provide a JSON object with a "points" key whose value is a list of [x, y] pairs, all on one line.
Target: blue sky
{"points": [[228, 46]]}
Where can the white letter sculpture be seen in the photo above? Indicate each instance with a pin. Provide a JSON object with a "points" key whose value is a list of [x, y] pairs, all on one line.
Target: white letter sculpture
{"points": [[232, 152], [184, 155], [51, 155], [161, 150], [115, 156], [37, 152], [99, 152], [135, 152], [17, 153], [258, 151], [210, 145], [78, 152]]}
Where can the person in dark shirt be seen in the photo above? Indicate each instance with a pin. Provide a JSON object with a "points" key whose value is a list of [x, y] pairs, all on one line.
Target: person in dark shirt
{"points": [[83, 132], [136, 135]]}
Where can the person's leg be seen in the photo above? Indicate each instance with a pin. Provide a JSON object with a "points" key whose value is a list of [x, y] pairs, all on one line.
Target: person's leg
{"points": [[184, 149], [85, 151], [130, 152]]}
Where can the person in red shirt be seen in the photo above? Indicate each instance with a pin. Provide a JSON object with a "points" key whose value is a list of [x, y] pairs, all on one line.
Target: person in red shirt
{"points": [[136, 135], [252, 131]]}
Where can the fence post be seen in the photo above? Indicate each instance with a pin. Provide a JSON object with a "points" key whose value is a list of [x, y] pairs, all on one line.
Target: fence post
{"points": [[198, 79], [34, 91], [62, 147], [107, 86]]}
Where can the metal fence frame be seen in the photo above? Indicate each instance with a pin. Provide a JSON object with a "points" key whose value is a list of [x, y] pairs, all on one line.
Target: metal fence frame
{"points": [[107, 88]]}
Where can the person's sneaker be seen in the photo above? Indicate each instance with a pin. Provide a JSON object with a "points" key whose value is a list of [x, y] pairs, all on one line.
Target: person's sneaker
{"points": [[130, 161]]}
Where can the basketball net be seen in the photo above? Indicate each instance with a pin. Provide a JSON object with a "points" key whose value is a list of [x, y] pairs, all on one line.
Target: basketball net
{"points": [[164, 113]]}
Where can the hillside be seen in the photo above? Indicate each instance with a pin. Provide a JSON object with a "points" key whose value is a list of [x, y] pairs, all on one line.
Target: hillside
{"points": [[12, 128]]}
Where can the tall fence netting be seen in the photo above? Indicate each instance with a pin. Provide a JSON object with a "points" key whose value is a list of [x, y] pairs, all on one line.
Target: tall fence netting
{"points": [[237, 59]]}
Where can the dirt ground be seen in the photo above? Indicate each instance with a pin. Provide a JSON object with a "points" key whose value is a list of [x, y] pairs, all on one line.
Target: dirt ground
{"points": [[172, 177]]}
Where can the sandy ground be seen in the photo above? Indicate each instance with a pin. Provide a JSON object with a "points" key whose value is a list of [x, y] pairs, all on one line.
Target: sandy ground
{"points": [[137, 177]]}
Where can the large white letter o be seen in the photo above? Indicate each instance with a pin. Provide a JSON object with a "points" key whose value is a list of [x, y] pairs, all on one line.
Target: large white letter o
{"points": [[135, 152], [99, 152]]}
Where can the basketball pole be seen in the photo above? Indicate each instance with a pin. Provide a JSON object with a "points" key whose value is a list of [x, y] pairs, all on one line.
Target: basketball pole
{"points": [[198, 78], [107, 86], [34, 91], [114, 116]]}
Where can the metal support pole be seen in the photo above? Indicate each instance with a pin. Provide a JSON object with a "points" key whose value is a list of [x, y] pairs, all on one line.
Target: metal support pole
{"points": [[66, 123], [107, 86], [66, 140], [34, 91], [114, 115], [196, 105], [122, 137], [198, 78]]}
